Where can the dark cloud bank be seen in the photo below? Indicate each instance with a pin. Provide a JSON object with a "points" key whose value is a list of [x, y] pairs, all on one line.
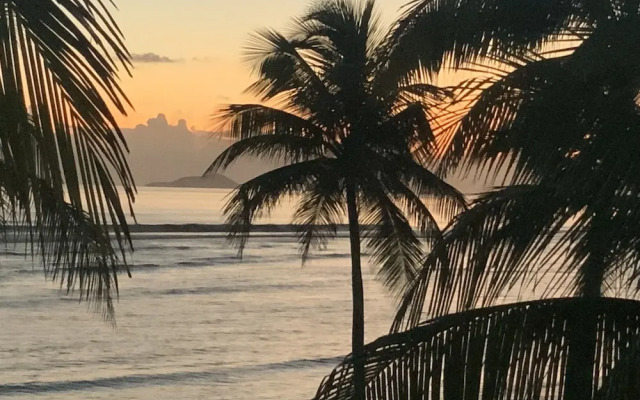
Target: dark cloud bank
{"points": [[162, 152]]}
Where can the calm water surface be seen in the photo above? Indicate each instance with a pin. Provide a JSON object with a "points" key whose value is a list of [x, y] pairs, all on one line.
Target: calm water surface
{"points": [[194, 322]]}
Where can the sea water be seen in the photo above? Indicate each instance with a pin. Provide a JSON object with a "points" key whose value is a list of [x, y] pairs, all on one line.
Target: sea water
{"points": [[194, 321]]}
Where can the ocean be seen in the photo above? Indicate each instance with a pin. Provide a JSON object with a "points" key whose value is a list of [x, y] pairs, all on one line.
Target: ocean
{"points": [[194, 321]]}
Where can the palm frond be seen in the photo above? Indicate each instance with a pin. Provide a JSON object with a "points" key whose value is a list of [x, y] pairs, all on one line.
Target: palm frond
{"points": [[417, 87], [409, 130], [622, 383], [416, 211], [392, 242], [76, 251], [518, 122], [447, 201], [243, 121], [610, 42], [485, 251], [284, 72], [349, 29], [59, 60], [320, 209], [284, 148], [513, 351], [530, 119], [256, 197], [433, 33]]}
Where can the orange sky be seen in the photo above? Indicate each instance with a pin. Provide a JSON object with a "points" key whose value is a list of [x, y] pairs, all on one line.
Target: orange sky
{"points": [[197, 52]]}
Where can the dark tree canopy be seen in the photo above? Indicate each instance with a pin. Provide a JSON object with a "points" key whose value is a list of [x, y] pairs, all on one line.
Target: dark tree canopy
{"points": [[553, 107]]}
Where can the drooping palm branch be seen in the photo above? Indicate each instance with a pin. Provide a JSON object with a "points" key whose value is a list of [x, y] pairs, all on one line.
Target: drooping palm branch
{"points": [[515, 351], [563, 130], [62, 152]]}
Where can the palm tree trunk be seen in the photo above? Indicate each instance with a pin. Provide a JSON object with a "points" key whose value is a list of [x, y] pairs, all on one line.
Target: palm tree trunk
{"points": [[584, 330], [357, 332], [582, 347]]}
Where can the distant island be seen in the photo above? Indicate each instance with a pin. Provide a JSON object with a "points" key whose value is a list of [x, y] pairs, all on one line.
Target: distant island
{"points": [[213, 181]]}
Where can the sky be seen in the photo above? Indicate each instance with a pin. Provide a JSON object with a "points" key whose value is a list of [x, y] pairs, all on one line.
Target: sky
{"points": [[187, 54], [163, 152]]}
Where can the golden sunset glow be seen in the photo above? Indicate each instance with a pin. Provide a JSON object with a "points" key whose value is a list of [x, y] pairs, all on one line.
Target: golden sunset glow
{"points": [[188, 54]]}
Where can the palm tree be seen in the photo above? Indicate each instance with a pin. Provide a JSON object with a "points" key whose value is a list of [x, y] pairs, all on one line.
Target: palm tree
{"points": [[61, 152], [352, 134], [555, 110]]}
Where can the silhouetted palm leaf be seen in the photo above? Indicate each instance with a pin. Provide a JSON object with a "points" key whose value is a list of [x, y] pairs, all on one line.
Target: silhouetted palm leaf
{"points": [[62, 152], [434, 33], [514, 351], [319, 211], [623, 381], [256, 197]]}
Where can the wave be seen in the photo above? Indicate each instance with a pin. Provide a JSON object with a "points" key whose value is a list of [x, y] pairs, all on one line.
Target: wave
{"points": [[216, 228], [224, 260], [24, 253], [322, 256], [212, 290], [210, 261], [221, 375], [154, 247]]}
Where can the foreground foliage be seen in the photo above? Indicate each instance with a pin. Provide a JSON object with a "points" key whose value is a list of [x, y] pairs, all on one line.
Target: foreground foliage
{"points": [[62, 154], [551, 116], [563, 130], [515, 351]]}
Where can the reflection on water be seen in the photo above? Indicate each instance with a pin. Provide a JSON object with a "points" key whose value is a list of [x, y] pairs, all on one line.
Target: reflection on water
{"points": [[193, 206], [200, 206], [194, 322]]}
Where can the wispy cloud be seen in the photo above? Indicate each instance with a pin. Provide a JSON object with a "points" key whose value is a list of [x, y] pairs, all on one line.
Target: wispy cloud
{"points": [[204, 59], [151, 58]]}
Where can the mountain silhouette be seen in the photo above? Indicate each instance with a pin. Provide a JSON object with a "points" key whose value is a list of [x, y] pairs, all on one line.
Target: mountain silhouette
{"points": [[212, 181]]}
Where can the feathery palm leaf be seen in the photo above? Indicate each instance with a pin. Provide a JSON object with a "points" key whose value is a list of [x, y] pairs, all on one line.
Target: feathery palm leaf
{"points": [[319, 211], [564, 125], [282, 148], [484, 253], [434, 33], [256, 197], [249, 120], [62, 151], [393, 242], [514, 351]]}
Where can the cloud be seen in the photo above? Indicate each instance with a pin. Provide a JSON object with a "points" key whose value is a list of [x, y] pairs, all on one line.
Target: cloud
{"points": [[162, 151], [151, 58]]}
